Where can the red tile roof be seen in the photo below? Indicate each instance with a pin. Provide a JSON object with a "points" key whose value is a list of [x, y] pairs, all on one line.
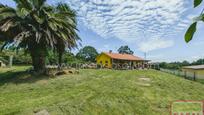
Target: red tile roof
{"points": [[123, 56]]}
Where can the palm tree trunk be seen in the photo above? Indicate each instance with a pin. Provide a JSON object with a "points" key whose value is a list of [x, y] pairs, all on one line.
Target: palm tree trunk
{"points": [[38, 55], [38, 62]]}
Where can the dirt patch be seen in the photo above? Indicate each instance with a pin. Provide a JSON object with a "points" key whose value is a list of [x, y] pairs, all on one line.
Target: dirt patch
{"points": [[144, 84], [145, 79], [42, 112]]}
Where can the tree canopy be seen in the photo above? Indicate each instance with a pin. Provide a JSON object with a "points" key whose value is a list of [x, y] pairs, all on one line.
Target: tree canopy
{"points": [[179, 65], [88, 53], [36, 27], [125, 50]]}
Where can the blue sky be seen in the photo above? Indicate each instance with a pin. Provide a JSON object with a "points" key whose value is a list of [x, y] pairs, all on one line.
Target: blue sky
{"points": [[156, 27]]}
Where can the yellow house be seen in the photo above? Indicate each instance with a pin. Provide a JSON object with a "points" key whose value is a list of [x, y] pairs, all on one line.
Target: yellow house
{"points": [[197, 72], [112, 60]]}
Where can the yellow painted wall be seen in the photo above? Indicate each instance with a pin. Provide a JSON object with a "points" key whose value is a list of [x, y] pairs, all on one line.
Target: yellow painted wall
{"points": [[104, 58], [199, 73]]}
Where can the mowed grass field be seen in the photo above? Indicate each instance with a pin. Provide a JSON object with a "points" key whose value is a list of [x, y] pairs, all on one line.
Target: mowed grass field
{"points": [[94, 92]]}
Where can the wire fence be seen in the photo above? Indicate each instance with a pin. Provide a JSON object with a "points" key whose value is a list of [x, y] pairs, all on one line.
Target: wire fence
{"points": [[175, 72], [186, 75]]}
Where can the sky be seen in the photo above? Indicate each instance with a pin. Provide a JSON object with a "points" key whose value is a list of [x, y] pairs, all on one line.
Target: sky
{"points": [[154, 27]]}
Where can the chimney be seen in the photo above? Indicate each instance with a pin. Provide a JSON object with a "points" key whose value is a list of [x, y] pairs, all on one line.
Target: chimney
{"points": [[110, 51]]}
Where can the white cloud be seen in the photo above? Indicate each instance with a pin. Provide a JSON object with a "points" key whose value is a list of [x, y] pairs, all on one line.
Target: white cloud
{"points": [[106, 46], [153, 44], [129, 20], [198, 43]]}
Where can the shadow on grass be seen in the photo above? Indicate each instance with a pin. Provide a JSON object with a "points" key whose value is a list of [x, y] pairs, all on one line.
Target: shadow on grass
{"points": [[200, 81], [19, 77]]}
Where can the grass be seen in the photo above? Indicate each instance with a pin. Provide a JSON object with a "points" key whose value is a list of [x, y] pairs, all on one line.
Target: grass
{"points": [[92, 92], [200, 80], [187, 107]]}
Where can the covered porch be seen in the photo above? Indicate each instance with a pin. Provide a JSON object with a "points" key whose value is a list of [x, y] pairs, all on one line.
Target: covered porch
{"points": [[130, 64]]}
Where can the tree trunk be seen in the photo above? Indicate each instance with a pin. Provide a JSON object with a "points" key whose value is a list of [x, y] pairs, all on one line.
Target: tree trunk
{"points": [[38, 62], [38, 55], [60, 50], [10, 60]]}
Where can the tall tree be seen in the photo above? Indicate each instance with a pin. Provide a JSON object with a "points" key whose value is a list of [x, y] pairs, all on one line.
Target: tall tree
{"points": [[192, 29], [125, 50], [88, 53], [37, 26]]}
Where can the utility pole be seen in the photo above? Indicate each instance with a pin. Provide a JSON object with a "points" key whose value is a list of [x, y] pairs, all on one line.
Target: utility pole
{"points": [[145, 55]]}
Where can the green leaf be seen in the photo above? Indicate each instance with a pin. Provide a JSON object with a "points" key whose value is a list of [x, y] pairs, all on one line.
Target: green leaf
{"points": [[197, 3], [190, 32]]}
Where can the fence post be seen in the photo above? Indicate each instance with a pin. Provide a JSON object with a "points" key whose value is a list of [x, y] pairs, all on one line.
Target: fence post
{"points": [[185, 75], [194, 76]]}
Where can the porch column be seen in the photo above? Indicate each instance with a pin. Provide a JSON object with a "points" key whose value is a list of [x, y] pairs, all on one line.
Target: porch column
{"points": [[112, 63], [130, 64]]}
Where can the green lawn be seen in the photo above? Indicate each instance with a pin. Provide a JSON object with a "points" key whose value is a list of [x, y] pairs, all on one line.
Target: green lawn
{"points": [[92, 92]]}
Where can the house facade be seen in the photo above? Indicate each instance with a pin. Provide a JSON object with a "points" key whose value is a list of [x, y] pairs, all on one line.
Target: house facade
{"points": [[197, 71], [121, 61]]}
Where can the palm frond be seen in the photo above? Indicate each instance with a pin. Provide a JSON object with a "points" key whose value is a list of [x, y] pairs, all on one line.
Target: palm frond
{"points": [[34, 23], [24, 4], [9, 23], [6, 12], [19, 38], [38, 3]]}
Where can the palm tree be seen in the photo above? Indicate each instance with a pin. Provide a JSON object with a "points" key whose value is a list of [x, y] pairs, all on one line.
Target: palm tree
{"points": [[37, 27]]}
